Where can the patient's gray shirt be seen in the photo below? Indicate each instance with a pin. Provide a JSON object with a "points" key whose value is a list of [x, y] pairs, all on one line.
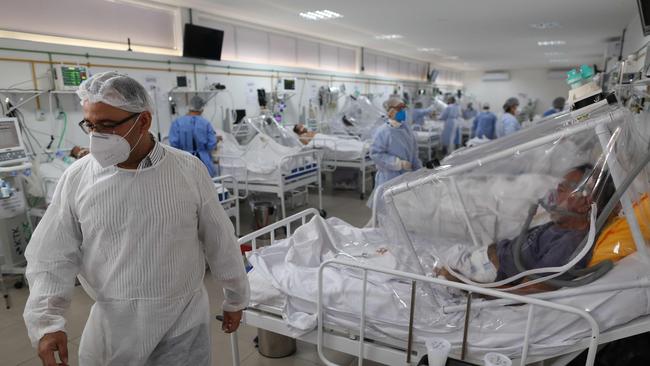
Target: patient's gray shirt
{"points": [[546, 246]]}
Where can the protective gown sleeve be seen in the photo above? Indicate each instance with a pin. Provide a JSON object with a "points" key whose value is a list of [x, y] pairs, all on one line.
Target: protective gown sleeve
{"points": [[212, 137], [445, 114], [53, 261], [217, 236], [379, 152]]}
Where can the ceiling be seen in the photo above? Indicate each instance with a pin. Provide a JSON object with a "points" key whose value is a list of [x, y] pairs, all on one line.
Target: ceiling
{"points": [[482, 34]]}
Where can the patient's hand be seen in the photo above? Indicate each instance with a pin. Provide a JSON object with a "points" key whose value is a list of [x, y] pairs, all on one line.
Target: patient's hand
{"points": [[442, 272]]}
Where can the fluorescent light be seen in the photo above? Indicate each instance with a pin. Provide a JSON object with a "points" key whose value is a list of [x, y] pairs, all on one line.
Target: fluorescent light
{"points": [[320, 15], [550, 43], [546, 25], [451, 57], [389, 36], [424, 49]]}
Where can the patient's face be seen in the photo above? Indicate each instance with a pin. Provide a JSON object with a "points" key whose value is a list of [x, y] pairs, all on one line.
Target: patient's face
{"points": [[568, 198]]}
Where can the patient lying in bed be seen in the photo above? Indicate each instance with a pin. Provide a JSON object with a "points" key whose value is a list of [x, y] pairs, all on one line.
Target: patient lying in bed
{"points": [[548, 245], [303, 133]]}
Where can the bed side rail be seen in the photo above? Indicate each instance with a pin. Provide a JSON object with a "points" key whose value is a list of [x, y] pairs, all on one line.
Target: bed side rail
{"points": [[240, 163], [301, 217], [316, 154], [415, 278]]}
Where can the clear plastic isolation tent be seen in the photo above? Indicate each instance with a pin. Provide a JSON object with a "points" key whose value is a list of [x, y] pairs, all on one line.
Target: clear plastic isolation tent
{"points": [[482, 195]]}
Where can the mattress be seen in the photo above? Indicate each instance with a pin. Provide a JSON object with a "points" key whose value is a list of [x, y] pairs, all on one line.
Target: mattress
{"points": [[261, 160], [338, 148], [285, 275]]}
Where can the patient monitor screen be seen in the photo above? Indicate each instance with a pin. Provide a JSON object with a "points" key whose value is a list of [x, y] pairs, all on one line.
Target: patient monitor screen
{"points": [[8, 135]]}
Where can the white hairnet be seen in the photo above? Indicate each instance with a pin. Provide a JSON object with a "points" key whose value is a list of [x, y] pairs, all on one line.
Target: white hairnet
{"points": [[197, 103], [117, 90], [393, 102]]}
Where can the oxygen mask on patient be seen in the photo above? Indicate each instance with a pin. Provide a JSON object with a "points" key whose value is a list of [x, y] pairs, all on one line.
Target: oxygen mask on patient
{"points": [[558, 202]]}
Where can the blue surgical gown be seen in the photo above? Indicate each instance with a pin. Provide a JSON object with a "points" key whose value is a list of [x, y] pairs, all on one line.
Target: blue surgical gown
{"points": [[550, 112], [450, 115], [419, 114], [390, 144], [507, 125], [469, 113], [195, 135], [484, 125]]}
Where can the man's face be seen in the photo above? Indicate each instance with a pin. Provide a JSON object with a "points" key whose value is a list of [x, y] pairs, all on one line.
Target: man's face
{"points": [[568, 198], [104, 117]]}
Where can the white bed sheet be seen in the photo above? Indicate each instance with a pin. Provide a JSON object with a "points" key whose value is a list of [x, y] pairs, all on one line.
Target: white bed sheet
{"points": [[338, 148], [425, 136], [260, 160], [286, 274]]}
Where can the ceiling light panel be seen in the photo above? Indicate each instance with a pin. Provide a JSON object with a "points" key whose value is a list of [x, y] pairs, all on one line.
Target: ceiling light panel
{"points": [[551, 43], [424, 49], [320, 15], [389, 36]]}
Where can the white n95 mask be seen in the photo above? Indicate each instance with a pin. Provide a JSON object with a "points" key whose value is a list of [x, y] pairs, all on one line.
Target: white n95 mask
{"points": [[110, 149]]}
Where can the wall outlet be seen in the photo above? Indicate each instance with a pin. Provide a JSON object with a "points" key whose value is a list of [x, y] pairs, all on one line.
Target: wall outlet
{"points": [[40, 115]]}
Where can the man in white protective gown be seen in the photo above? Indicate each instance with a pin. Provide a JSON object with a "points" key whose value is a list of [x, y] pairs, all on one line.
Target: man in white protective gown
{"points": [[136, 221]]}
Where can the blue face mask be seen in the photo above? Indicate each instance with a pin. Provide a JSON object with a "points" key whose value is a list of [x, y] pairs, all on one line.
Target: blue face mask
{"points": [[400, 116]]}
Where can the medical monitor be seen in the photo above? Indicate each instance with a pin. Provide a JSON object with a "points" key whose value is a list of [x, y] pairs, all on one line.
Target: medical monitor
{"points": [[71, 77], [202, 42], [288, 85], [12, 150]]}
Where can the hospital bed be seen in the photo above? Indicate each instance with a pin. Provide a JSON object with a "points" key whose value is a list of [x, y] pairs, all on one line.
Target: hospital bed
{"points": [[341, 151], [264, 166], [553, 326], [270, 161], [229, 198], [428, 137]]}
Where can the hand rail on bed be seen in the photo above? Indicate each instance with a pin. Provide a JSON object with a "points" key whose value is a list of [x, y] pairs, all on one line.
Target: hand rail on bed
{"points": [[270, 229], [324, 145], [235, 196], [244, 165], [532, 301]]}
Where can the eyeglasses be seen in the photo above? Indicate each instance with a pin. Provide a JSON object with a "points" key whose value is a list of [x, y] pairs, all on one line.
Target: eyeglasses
{"points": [[87, 127]]}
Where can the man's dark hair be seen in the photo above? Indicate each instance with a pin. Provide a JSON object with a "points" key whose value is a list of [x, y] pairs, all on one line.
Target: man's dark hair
{"points": [[297, 130]]}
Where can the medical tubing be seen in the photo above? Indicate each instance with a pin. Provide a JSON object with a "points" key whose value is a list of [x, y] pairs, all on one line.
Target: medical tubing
{"points": [[65, 127]]}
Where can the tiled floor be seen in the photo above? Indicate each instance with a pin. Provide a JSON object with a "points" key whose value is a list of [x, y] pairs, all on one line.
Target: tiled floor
{"points": [[16, 350]]}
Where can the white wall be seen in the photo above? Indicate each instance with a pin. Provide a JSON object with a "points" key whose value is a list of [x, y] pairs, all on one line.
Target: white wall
{"points": [[634, 38], [534, 83], [15, 67]]}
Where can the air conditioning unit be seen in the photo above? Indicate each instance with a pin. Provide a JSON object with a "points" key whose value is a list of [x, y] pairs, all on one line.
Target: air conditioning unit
{"points": [[496, 76], [557, 74]]}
